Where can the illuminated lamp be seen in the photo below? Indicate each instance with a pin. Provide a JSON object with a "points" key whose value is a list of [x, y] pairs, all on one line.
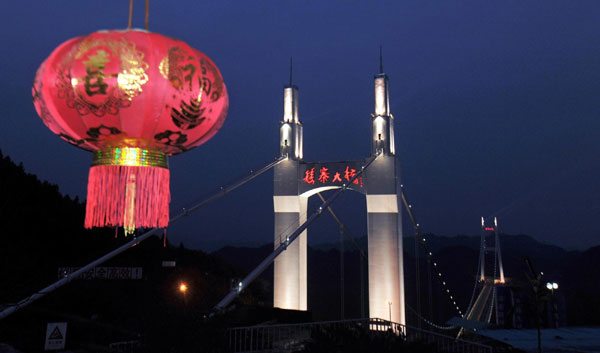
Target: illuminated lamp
{"points": [[133, 98]]}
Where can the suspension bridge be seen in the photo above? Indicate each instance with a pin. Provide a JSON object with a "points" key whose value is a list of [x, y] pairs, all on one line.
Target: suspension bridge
{"points": [[376, 177]]}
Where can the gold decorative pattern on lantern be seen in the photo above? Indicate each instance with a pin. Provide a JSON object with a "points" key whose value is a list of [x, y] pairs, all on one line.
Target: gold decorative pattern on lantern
{"points": [[133, 76], [130, 156], [91, 43], [163, 67]]}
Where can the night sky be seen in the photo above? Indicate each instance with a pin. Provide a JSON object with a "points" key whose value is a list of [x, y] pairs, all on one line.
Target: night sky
{"points": [[496, 105]]}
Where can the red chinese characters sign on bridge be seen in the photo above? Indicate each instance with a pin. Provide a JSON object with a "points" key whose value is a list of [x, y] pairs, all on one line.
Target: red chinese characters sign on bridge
{"points": [[330, 174]]}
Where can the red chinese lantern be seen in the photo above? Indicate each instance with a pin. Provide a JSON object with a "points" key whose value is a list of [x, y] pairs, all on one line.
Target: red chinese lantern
{"points": [[132, 98]]}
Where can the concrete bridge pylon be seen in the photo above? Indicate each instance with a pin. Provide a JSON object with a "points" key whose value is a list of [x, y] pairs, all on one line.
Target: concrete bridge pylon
{"points": [[295, 180]]}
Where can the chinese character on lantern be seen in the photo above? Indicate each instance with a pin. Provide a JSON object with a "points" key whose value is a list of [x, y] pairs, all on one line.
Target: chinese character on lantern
{"points": [[309, 176], [94, 81], [323, 175]]}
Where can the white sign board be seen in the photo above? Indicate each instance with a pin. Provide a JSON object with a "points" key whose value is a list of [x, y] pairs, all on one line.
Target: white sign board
{"points": [[55, 336], [169, 264], [103, 272]]}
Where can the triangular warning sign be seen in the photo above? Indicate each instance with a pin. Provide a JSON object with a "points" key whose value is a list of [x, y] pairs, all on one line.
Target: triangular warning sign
{"points": [[56, 335]]}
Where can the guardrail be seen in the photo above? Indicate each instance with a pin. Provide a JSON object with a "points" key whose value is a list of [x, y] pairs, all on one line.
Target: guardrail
{"points": [[293, 337], [124, 346]]}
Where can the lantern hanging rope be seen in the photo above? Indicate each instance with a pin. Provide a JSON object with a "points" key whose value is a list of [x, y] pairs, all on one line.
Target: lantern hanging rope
{"points": [[133, 98], [146, 14]]}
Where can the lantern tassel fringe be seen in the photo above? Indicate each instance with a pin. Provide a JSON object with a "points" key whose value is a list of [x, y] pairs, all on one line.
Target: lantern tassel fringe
{"points": [[110, 198]]}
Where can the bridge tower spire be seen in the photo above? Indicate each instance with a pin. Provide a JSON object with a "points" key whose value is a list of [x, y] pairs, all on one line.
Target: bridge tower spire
{"points": [[382, 119], [291, 128]]}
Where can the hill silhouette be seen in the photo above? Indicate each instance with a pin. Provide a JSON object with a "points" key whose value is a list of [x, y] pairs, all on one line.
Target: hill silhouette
{"points": [[42, 230], [457, 257]]}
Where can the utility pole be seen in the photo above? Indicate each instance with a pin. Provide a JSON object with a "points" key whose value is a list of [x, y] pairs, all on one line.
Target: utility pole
{"points": [[536, 280]]}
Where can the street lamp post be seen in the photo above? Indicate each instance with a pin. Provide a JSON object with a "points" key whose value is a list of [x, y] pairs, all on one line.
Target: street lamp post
{"points": [[552, 287], [183, 289]]}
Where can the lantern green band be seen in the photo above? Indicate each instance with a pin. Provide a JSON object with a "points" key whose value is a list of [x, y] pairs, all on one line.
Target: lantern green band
{"points": [[130, 156]]}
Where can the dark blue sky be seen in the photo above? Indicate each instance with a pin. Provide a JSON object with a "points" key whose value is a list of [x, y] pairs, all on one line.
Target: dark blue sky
{"points": [[496, 106]]}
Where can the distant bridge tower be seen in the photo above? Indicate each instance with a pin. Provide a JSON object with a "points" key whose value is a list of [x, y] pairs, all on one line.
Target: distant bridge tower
{"points": [[490, 274], [296, 180], [497, 264]]}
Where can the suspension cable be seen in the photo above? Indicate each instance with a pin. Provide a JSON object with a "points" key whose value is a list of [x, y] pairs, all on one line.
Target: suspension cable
{"points": [[417, 271], [429, 322], [362, 254], [224, 190], [491, 306], [289, 240], [471, 302], [136, 240], [343, 226], [428, 253]]}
